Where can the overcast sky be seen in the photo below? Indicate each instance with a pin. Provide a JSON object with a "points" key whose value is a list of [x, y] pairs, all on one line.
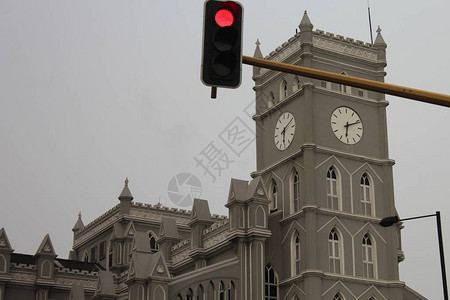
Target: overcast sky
{"points": [[94, 91]]}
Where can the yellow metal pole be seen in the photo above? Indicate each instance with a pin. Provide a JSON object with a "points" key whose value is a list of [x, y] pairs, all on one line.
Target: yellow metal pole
{"points": [[372, 85]]}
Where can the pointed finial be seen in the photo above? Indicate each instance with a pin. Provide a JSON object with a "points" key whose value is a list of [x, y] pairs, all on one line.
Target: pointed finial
{"points": [[126, 181], [379, 29], [79, 215], [257, 42], [305, 23]]}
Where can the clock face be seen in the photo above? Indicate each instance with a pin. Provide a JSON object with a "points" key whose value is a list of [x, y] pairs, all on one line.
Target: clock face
{"points": [[284, 131], [346, 125]]}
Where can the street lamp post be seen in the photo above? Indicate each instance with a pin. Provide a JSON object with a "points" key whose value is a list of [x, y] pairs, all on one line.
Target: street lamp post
{"points": [[389, 221]]}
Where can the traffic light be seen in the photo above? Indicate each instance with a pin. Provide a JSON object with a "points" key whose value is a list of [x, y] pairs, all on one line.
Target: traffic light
{"points": [[222, 44]]}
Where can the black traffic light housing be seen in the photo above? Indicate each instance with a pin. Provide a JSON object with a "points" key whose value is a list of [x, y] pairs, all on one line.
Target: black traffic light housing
{"points": [[222, 44]]}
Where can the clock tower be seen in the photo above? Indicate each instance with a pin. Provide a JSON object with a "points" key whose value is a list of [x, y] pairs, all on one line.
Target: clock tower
{"points": [[322, 153]]}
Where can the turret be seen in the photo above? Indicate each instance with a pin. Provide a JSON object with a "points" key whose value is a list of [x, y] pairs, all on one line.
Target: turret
{"points": [[125, 199]]}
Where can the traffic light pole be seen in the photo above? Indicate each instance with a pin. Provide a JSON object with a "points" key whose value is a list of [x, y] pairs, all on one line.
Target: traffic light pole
{"points": [[372, 85]]}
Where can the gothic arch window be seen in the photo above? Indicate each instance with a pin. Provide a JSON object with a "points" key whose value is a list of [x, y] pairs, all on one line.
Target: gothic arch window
{"points": [[110, 256], [200, 293], [366, 189], [368, 257], [338, 296], [283, 90], [128, 250], [270, 284], [296, 84], [153, 245], [119, 254], [221, 291], [295, 194], [85, 256], [273, 196], [271, 100], [334, 251], [46, 269], [231, 291], [2, 264], [344, 88], [189, 295], [333, 189], [295, 253]]}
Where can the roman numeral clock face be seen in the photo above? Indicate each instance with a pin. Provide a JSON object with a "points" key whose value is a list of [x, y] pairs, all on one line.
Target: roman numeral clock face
{"points": [[284, 131], [346, 125]]}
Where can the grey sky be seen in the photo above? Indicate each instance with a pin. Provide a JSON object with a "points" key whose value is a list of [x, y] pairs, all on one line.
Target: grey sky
{"points": [[94, 91]]}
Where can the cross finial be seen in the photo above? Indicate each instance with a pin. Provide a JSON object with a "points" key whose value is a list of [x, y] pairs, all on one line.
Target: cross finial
{"points": [[257, 42], [379, 29], [126, 181]]}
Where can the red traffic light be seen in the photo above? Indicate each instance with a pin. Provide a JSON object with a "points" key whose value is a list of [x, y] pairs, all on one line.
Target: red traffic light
{"points": [[224, 17]]}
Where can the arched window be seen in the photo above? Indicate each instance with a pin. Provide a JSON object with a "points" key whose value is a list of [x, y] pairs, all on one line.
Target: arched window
{"points": [[200, 293], [296, 191], [274, 196], [86, 257], [332, 189], [231, 291], [366, 197], [128, 251], [295, 253], [344, 88], [283, 90], [334, 252], [221, 291], [118, 254], [110, 256], [190, 295], [153, 245], [2, 265], [296, 84], [367, 257], [270, 284], [338, 297]]}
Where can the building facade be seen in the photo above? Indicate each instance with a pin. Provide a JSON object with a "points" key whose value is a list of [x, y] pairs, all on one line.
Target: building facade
{"points": [[305, 228]]}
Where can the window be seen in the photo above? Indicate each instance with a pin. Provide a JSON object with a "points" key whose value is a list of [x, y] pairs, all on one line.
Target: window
{"points": [[102, 250], [295, 253], [296, 191], [344, 88], [274, 196], [334, 252], [283, 90], [189, 295], [200, 293], [153, 246], [128, 250], [323, 84], [93, 254], [361, 93], [366, 197], [270, 284], [110, 256], [367, 257], [119, 254], [296, 84], [221, 291], [338, 297], [332, 189], [231, 291], [86, 256]]}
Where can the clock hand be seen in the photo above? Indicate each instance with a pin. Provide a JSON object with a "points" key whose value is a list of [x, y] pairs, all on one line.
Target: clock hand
{"points": [[357, 122], [346, 129]]}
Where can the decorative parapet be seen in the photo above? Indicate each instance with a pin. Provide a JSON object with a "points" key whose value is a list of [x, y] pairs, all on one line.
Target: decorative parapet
{"points": [[216, 233], [97, 226], [23, 277], [180, 256], [324, 40], [216, 239], [120, 281], [345, 47], [69, 281], [180, 245], [216, 226]]}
